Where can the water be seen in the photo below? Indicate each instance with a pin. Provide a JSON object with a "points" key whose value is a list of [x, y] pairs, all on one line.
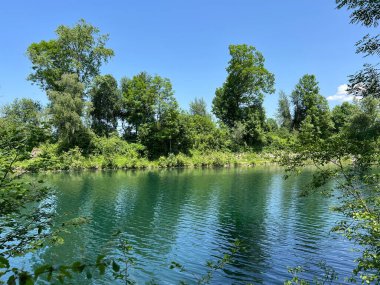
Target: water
{"points": [[192, 216]]}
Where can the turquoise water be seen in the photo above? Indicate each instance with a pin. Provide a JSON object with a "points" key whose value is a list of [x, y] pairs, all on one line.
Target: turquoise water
{"points": [[192, 216]]}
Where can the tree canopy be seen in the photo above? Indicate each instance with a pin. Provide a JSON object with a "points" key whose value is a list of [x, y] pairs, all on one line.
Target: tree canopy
{"points": [[80, 50]]}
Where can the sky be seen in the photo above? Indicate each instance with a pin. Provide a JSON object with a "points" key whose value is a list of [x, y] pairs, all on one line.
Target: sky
{"points": [[187, 42]]}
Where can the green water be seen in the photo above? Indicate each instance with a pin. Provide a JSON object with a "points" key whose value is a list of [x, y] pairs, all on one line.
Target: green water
{"points": [[192, 216]]}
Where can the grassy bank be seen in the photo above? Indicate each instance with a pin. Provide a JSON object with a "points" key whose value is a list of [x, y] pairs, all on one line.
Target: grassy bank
{"points": [[47, 158]]}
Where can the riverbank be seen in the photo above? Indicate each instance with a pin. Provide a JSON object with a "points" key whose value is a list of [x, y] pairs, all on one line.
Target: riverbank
{"points": [[74, 160]]}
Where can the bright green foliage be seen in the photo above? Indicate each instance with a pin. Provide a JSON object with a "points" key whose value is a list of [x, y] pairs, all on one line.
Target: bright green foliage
{"points": [[198, 107], [66, 109], [342, 114], [242, 93], [106, 100], [309, 103], [283, 112], [79, 49], [202, 134], [351, 158], [25, 116], [271, 125]]}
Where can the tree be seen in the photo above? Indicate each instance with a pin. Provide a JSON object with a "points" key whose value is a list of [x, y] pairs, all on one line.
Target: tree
{"points": [[105, 99], [365, 82], [150, 112], [66, 111], [271, 125], [243, 91], [283, 112], [80, 50], [162, 135], [342, 114], [202, 134], [26, 116], [138, 100], [198, 107], [309, 103], [350, 158]]}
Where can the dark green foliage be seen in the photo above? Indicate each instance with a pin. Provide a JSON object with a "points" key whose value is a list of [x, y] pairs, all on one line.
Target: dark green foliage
{"points": [[238, 103], [151, 113], [80, 50], [138, 99], [243, 91], [364, 12], [365, 82], [106, 101], [311, 110], [341, 115], [283, 112]]}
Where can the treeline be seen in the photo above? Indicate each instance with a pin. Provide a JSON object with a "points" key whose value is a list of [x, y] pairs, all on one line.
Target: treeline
{"points": [[88, 111]]}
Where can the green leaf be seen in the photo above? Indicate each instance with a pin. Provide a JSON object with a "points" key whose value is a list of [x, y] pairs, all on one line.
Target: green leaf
{"points": [[88, 275], [4, 263], [11, 280], [115, 266]]}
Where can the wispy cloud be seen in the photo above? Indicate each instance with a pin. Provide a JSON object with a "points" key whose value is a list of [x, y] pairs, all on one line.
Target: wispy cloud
{"points": [[341, 94]]}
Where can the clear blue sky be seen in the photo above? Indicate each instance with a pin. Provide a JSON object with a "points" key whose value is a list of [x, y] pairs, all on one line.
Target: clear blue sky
{"points": [[187, 41]]}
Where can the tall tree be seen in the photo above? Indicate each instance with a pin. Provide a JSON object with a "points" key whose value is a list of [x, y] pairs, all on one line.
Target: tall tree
{"points": [[308, 103], [243, 91], [80, 50], [66, 109], [138, 99], [283, 111], [150, 112], [198, 107], [105, 99], [162, 135]]}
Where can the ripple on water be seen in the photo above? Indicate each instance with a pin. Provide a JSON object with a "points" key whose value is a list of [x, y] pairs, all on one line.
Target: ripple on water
{"points": [[194, 216]]}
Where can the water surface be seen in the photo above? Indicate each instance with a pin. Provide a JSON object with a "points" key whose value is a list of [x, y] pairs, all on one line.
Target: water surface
{"points": [[192, 216]]}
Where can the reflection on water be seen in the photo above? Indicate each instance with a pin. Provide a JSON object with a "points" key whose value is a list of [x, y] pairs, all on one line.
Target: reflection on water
{"points": [[191, 216]]}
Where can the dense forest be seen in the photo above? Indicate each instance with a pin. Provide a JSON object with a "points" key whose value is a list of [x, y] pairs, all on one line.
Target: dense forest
{"points": [[92, 121]]}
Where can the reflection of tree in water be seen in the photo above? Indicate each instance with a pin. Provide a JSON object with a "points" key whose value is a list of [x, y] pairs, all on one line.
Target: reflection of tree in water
{"points": [[242, 215], [190, 216]]}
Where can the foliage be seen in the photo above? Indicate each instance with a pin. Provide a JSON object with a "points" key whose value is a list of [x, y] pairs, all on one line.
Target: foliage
{"points": [[329, 276], [80, 50], [308, 103], [198, 107], [241, 96], [106, 100], [365, 82], [283, 111], [202, 134], [341, 115], [355, 153], [66, 109], [26, 116]]}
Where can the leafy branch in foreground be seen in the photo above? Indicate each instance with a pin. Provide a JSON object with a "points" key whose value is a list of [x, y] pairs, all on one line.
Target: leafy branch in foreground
{"points": [[351, 159], [211, 266]]}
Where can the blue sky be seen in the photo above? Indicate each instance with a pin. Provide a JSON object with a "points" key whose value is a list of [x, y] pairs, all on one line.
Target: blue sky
{"points": [[187, 41]]}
